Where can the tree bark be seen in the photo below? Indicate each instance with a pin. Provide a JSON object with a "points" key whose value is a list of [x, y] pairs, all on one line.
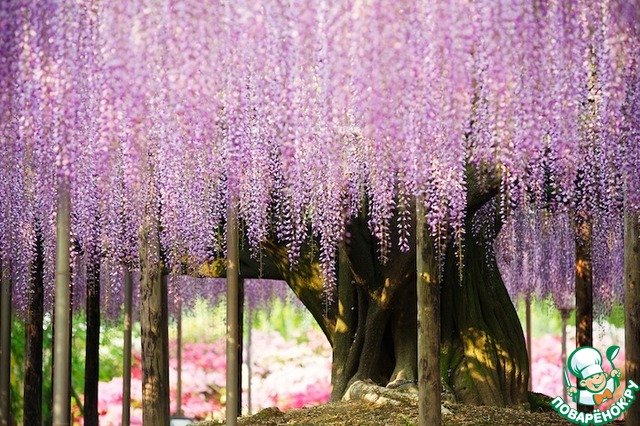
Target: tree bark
{"points": [[32, 397], [92, 348], [233, 260], [632, 307], [62, 319], [5, 346], [372, 324], [484, 351], [153, 323], [584, 292], [305, 280], [373, 327], [343, 335], [428, 295]]}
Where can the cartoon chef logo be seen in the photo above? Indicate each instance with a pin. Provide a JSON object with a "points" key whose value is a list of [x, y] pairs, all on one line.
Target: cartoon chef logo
{"points": [[594, 387], [585, 363]]}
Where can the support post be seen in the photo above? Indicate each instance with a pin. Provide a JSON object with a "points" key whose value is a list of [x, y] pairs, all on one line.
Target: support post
{"points": [[179, 358], [240, 340], [92, 349], [128, 321], [5, 348], [529, 342], [153, 324], [428, 299], [564, 314], [584, 292], [632, 307], [232, 317], [249, 367], [62, 318]]}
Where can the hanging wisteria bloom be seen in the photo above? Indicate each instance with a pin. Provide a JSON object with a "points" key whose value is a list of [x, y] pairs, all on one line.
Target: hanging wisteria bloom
{"points": [[302, 115]]}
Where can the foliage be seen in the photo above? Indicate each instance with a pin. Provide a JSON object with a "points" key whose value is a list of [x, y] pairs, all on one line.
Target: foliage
{"points": [[287, 319], [17, 368], [110, 361]]}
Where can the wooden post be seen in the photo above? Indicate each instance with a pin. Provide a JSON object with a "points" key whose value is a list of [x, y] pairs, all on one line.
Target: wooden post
{"points": [[92, 349], [179, 358], [529, 342], [164, 343], [5, 347], [584, 287], [249, 368], [564, 314], [232, 317], [62, 318], [632, 308], [240, 340], [584, 292], [155, 378], [126, 379], [428, 295]]}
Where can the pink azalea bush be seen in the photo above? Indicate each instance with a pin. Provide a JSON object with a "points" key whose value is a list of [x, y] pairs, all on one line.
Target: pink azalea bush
{"points": [[284, 373], [295, 372], [290, 376]]}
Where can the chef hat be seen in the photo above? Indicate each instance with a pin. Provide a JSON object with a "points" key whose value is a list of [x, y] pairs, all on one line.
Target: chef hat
{"points": [[584, 362]]}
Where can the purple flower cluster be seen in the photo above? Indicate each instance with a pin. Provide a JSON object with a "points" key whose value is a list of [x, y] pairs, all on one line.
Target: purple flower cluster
{"points": [[536, 255], [298, 113]]}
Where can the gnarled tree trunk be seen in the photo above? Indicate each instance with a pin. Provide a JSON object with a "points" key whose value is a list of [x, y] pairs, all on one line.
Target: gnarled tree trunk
{"points": [[372, 323]]}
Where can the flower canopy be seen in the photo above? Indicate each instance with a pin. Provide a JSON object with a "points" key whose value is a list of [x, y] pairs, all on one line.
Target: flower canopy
{"points": [[304, 112]]}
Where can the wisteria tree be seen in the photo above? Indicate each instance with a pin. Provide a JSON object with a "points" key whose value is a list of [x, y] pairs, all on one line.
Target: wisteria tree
{"points": [[355, 141]]}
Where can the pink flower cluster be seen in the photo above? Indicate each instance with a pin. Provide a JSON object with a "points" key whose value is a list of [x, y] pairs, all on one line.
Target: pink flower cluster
{"points": [[284, 373]]}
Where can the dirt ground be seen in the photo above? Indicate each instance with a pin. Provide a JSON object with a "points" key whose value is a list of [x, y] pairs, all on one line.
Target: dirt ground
{"points": [[359, 413]]}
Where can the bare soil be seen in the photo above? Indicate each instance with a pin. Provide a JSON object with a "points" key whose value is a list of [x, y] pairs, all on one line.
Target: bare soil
{"points": [[359, 413]]}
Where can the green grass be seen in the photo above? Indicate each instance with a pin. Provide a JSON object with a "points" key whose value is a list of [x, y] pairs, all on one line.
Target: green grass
{"points": [[207, 324]]}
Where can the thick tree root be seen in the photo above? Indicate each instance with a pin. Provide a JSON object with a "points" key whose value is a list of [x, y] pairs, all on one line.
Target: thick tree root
{"points": [[369, 391]]}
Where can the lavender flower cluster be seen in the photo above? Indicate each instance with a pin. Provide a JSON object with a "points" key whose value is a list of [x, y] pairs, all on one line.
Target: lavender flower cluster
{"points": [[298, 113]]}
